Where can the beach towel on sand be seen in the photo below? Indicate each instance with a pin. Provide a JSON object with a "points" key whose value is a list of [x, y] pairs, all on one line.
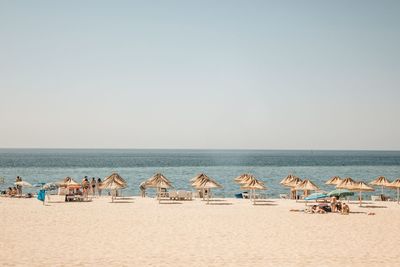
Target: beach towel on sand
{"points": [[41, 195]]}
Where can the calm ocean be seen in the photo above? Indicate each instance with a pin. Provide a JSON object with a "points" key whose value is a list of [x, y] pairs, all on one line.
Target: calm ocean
{"points": [[45, 165]]}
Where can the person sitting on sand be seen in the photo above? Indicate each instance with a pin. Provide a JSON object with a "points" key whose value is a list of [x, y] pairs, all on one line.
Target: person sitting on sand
{"points": [[345, 209], [14, 191], [9, 191], [320, 210], [314, 209], [338, 207]]}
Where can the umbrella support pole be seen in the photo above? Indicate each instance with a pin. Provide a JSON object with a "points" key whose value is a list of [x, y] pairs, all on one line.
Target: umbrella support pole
{"points": [[398, 192], [360, 199]]}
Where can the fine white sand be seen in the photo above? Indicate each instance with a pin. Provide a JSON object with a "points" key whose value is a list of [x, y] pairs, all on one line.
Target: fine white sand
{"points": [[229, 233]]}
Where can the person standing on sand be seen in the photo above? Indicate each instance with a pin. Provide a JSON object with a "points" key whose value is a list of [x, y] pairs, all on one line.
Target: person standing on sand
{"points": [[142, 188], [93, 186], [99, 186], [333, 204], [85, 186], [19, 188]]}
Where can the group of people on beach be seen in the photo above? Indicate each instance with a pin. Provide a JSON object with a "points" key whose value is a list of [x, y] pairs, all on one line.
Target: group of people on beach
{"points": [[335, 206], [15, 190], [92, 187]]}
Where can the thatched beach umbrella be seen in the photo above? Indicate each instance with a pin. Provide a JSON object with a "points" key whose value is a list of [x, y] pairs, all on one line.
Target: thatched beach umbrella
{"points": [[69, 182], [381, 181], [198, 178], [115, 177], [158, 181], [288, 179], [346, 183], [335, 180], [306, 185], [254, 184], [207, 183], [114, 182], [292, 184], [396, 184], [361, 187], [245, 178]]}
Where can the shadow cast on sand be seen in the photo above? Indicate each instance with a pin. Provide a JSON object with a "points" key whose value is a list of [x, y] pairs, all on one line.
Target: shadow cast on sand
{"points": [[264, 204], [374, 207], [170, 203], [214, 200], [121, 201], [219, 204]]}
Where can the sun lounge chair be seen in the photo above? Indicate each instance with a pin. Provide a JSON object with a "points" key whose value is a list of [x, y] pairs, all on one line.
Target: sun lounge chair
{"points": [[189, 195], [376, 198], [173, 195], [181, 195], [283, 196]]}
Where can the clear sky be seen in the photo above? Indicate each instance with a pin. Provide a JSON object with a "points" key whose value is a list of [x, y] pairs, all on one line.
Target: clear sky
{"points": [[200, 74]]}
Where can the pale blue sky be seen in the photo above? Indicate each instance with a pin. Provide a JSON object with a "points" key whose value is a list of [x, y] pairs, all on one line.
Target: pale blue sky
{"points": [[200, 74]]}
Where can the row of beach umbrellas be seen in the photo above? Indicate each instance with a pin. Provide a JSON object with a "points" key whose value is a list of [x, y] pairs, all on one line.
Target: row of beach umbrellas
{"points": [[342, 185], [246, 181]]}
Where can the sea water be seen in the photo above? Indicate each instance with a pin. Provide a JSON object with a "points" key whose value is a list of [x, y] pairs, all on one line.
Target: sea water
{"points": [[179, 166]]}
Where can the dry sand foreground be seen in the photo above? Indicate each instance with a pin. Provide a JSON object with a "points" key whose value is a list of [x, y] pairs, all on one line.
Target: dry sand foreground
{"points": [[145, 233]]}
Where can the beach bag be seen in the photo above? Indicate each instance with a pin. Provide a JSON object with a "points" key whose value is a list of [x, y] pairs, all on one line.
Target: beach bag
{"points": [[41, 195]]}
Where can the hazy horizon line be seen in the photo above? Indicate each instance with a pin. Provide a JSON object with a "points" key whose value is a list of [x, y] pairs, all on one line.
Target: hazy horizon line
{"points": [[216, 149]]}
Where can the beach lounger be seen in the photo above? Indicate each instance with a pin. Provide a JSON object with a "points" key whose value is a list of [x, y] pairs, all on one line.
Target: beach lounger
{"points": [[173, 195], [283, 196], [181, 195], [189, 195], [376, 198]]}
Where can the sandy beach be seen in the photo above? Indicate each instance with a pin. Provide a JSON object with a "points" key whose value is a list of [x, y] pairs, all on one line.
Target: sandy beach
{"points": [[230, 232]]}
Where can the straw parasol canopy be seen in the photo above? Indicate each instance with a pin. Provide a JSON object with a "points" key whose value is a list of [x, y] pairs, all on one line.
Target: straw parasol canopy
{"points": [[306, 185], [335, 180], [69, 182], [198, 178], [288, 179], [206, 183], [380, 181], [158, 180], [245, 179], [396, 184], [361, 187], [293, 183], [254, 184], [113, 182], [346, 183]]}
